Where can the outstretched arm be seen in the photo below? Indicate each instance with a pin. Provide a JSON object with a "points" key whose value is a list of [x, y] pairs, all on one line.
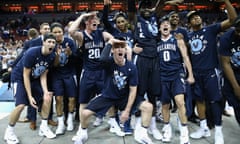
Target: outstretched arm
{"points": [[161, 3], [74, 27], [132, 13], [232, 15], [107, 25]]}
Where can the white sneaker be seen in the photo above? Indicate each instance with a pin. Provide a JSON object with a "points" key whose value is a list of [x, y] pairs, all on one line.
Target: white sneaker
{"points": [[46, 131], [200, 133], [167, 133], [80, 139], [10, 137], [70, 126], [74, 138], [184, 138], [219, 137], [115, 128], [60, 129], [155, 133], [141, 136], [98, 121]]}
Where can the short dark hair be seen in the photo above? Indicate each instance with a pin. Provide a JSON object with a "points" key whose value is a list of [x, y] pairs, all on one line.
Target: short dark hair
{"points": [[49, 36], [55, 24], [117, 44], [191, 14], [162, 19], [119, 14]]}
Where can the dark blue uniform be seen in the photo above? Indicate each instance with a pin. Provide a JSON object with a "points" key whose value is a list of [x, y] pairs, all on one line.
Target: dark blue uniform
{"points": [[230, 47], [171, 72], [92, 76], [147, 61], [188, 93], [39, 63], [204, 59], [116, 90], [64, 76], [205, 65]]}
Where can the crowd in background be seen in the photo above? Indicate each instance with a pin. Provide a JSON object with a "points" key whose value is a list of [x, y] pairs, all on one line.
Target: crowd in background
{"points": [[13, 32]]}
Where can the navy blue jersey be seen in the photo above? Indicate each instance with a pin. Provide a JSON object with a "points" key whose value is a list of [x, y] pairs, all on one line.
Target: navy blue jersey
{"points": [[170, 59], [203, 43], [92, 47], [182, 31], [36, 42], [118, 79], [146, 36], [230, 46], [34, 59], [66, 67]]}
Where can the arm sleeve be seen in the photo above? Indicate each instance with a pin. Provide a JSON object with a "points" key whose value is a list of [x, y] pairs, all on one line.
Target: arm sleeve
{"points": [[105, 53], [132, 6]]}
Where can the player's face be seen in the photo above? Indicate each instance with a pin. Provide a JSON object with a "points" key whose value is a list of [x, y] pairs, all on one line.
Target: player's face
{"points": [[121, 23], [174, 19], [58, 33], [49, 45], [93, 23], [145, 11], [165, 28], [45, 29], [119, 51], [196, 20]]}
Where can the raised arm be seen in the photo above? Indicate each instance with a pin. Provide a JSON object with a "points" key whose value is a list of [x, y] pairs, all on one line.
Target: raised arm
{"points": [[74, 30], [232, 15], [107, 24], [161, 3], [132, 13]]}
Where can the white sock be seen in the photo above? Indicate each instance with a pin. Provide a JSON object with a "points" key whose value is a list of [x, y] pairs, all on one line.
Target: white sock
{"points": [[83, 130], [153, 123], [218, 128], [60, 120], [138, 122], [44, 122], [113, 121], [10, 128], [203, 124], [70, 116]]}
